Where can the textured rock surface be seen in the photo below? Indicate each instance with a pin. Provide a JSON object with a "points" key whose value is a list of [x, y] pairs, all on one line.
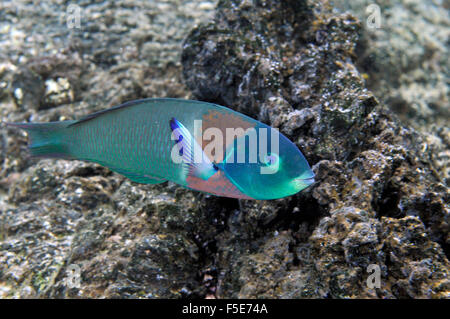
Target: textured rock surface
{"points": [[380, 199], [129, 240], [405, 63], [406, 58]]}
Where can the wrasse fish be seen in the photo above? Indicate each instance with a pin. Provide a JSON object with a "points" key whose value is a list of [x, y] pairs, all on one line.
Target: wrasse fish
{"points": [[151, 141]]}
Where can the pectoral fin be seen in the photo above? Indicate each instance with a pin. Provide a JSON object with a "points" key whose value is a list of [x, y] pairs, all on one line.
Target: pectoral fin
{"points": [[193, 165]]}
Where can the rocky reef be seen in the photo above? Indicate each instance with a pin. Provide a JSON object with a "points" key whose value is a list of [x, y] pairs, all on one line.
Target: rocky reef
{"points": [[405, 63], [379, 206]]}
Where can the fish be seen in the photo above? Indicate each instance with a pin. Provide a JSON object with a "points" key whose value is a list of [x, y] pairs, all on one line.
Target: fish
{"points": [[199, 145]]}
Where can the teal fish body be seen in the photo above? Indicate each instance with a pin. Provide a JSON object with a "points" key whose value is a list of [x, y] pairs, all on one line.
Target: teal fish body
{"points": [[198, 145]]}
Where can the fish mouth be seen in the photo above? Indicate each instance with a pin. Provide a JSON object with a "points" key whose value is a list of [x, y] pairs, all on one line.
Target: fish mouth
{"points": [[304, 180], [308, 181]]}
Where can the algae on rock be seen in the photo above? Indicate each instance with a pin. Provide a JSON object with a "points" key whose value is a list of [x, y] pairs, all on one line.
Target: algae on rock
{"points": [[298, 72], [379, 199]]}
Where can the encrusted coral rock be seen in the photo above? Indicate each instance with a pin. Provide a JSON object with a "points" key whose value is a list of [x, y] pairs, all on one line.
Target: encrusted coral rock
{"points": [[375, 224], [297, 72]]}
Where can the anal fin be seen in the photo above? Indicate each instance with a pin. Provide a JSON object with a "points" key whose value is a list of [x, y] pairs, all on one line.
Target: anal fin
{"points": [[146, 179], [138, 178], [134, 176]]}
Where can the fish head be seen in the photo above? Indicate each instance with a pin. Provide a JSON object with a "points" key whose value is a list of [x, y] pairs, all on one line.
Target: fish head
{"points": [[277, 170]]}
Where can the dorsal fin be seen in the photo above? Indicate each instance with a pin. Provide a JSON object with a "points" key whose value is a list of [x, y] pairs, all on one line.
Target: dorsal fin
{"points": [[154, 101], [112, 109]]}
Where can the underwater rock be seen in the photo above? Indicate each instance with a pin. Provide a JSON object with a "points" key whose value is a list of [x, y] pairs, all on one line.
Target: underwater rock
{"points": [[63, 219], [378, 201], [405, 63], [298, 72], [58, 92], [46, 82], [28, 89], [405, 57]]}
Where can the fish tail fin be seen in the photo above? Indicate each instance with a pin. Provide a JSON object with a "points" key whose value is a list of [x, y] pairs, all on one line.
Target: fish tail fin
{"points": [[46, 139]]}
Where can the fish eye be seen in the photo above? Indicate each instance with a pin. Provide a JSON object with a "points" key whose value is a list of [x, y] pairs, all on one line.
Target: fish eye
{"points": [[270, 164], [271, 159]]}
